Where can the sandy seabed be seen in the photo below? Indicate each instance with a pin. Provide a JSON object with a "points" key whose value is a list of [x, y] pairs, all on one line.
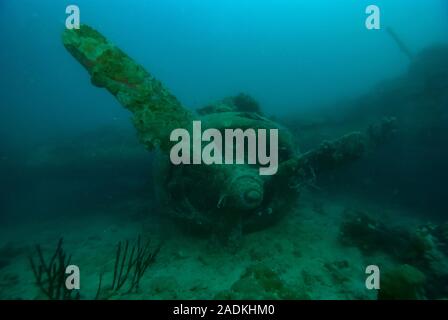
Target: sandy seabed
{"points": [[303, 250]]}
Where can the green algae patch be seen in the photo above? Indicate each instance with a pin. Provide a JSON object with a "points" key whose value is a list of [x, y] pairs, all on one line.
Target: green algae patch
{"points": [[259, 282], [402, 283], [156, 111]]}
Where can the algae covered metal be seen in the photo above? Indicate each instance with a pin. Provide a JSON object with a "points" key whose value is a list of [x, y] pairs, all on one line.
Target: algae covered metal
{"points": [[225, 200]]}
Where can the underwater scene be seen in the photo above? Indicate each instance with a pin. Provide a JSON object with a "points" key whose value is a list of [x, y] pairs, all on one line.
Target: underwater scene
{"points": [[223, 150]]}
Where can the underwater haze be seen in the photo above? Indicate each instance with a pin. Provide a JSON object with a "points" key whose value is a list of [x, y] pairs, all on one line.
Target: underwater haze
{"points": [[78, 159], [288, 54]]}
